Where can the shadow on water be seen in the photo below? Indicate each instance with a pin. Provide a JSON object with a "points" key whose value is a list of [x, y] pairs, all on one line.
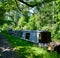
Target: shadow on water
{"points": [[7, 53], [5, 49]]}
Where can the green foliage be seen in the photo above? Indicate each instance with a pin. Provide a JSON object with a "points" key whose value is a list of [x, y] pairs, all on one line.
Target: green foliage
{"points": [[44, 16], [57, 31], [2, 11], [5, 26], [29, 50], [5, 6], [22, 22]]}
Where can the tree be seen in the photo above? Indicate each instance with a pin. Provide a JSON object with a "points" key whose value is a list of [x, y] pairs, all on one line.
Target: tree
{"points": [[36, 2], [5, 6]]}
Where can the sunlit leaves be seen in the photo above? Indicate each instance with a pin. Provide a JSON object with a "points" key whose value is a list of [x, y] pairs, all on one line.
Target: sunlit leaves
{"points": [[59, 15]]}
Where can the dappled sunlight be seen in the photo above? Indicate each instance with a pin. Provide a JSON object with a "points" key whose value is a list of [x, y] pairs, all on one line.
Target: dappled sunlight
{"points": [[4, 49], [29, 52], [19, 19], [37, 50], [27, 49], [17, 47]]}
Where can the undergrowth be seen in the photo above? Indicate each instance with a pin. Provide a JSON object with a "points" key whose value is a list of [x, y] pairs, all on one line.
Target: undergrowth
{"points": [[29, 50]]}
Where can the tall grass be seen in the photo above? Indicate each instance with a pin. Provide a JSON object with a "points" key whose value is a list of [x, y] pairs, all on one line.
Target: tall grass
{"points": [[28, 50]]}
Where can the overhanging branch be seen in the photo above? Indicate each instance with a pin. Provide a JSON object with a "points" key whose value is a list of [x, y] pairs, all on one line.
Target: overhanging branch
{"points": [[30, 5], [38, 3], [27, 3]]}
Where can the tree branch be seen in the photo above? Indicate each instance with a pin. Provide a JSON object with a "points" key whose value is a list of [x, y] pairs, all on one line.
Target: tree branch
{"points": [[17, 5], [39, 3], [27, 3]]}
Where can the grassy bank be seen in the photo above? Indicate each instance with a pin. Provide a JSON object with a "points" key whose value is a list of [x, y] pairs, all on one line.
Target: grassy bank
{"points": [[29, 50]]}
